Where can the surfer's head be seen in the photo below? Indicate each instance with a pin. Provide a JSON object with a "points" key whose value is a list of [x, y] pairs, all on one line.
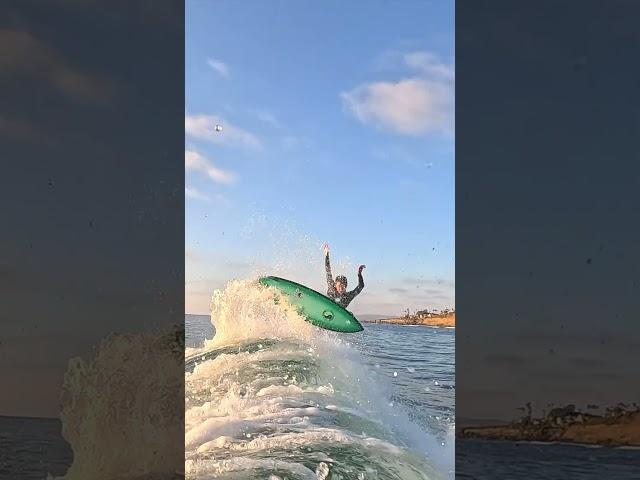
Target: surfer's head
{"points": [[341, 284]]}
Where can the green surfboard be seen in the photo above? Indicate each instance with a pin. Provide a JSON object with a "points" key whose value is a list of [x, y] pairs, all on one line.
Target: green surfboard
{"points": [[315, 307]]}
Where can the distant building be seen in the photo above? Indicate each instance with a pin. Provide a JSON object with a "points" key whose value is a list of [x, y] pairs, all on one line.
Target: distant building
{"points": [[561, 412]]}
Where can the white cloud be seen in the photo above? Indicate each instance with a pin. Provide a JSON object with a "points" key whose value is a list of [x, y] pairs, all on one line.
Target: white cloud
{"points": [[219, 67], [24, 54], [203, 127], [23, 131], [430, 65], [194, 161], [421, 104], [195, 194], [267, 118], [411, 106]]}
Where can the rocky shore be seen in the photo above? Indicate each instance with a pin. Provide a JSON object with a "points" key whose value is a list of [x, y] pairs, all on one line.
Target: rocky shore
{"points": [[616, 428], [432, 320]]}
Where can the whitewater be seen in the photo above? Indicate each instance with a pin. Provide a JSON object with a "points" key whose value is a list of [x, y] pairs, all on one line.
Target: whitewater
{"points": [[270, 396]]}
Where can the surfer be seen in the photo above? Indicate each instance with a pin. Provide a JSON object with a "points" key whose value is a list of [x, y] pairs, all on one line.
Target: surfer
{"points": [[337, 290]]}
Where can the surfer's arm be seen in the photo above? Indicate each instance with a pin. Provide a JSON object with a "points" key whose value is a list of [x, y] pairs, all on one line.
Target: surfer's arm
{"points": [[360, 286], [327, 266], [347, 297]]}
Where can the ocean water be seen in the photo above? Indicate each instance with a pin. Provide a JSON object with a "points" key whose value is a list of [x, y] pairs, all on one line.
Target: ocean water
{"points": [[121, 413], [492, 460], [384, 415], [32, 448], [269, 396]]}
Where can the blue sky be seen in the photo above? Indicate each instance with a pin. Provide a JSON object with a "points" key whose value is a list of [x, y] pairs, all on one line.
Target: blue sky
{"points": [[338, 125]]}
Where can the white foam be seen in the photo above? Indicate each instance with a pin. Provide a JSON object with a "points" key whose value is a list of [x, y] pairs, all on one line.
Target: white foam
{"points": [[125, 395], [211, 468], [246, 310], [290, 394], [273, 390]]}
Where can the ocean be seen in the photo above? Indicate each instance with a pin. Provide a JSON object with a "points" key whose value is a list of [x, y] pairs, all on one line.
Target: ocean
{"points": [[492, 460], [32, 448], [269, 396]]}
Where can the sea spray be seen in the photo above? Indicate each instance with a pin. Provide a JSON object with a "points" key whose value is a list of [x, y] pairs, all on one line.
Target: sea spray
{"points": [[122, 411], [271, 396], [245, 310]]}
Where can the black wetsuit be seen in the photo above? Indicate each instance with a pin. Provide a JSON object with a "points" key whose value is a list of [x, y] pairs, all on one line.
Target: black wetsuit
{"points": [[332, 293]]}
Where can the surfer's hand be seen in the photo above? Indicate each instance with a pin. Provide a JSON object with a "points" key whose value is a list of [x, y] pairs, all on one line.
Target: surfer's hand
{"points": [[360, 268], [325, 247]]}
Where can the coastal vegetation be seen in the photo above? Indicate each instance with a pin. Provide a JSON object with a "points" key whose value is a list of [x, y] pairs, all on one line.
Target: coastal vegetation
{"points": [[429, 318], [616, 426]]}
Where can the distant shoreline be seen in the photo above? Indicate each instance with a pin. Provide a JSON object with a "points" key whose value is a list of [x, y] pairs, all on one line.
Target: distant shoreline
{"points": [[434, 320], [447, 320], [30, 418], [622, 430]]}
